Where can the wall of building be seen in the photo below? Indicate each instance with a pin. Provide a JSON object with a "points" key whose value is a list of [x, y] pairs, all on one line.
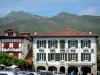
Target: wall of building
{"points": [[25, 47], [79, 50]]}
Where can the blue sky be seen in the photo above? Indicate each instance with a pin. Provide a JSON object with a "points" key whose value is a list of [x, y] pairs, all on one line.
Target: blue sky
{"points": [[51, 7]]}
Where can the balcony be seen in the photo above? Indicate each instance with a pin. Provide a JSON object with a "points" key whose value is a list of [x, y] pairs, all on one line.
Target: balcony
{"points": [[85, 51], [62, 51], [10, 50]]}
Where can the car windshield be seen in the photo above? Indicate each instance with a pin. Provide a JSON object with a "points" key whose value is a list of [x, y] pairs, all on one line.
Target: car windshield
{"points": [[8, 69], [21, 72]]}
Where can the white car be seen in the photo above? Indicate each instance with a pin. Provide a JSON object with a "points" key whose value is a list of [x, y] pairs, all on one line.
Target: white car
{"points": [[8, 73], [11, 69]]}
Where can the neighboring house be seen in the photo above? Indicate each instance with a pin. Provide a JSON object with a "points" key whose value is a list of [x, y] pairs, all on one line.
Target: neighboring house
{"points": [[17, 44], [65, 50]]}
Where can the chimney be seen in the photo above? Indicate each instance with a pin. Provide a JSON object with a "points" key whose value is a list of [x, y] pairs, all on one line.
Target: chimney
{"points": [[90, 32], [35, 33]]}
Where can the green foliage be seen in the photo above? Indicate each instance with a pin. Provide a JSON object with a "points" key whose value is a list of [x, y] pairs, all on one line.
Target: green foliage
{"points": [[9, 60]]}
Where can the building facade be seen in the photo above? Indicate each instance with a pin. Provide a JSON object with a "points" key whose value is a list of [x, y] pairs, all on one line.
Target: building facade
{"points": [[17, 44], [65, 50]]}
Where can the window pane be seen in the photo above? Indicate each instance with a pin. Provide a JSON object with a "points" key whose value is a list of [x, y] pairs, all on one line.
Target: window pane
{"points": [[52, 43], [15, 45], [19, 40], [41, 43], [7, 40], [6, 45], [62, 44], [2, 40], [41, 56]]}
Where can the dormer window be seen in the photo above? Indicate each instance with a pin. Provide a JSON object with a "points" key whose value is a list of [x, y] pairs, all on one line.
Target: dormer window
{"points": [[10, 32]]}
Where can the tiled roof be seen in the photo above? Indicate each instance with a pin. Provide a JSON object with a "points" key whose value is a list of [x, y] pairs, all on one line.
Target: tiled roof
{"points": [[65, 32], [10, 30]]}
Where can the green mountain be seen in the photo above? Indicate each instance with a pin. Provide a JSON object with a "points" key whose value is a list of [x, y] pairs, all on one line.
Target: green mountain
{"points": [[23, 21]]}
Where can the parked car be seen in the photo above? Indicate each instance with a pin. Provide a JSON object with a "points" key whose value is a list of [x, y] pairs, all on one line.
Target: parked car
{"points": [[8, 73], [21, 72], [58, 73], [11, 69], [45, 73], [31, 73]]}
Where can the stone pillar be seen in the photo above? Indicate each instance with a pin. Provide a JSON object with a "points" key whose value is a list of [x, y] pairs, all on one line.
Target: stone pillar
{"points": [[94, 69], [46, 67], [66, 69], [58, 68], [79, 69]]}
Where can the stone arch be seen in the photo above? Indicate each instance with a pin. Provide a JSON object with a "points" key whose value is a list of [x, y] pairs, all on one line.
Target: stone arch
{"points": [[62, 69], [72, 68], [86, 70], [52, 68], [40, 68]]}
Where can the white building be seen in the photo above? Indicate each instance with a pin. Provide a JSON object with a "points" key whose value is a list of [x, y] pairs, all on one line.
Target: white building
{"points": [[65, 50], [17, 44]]}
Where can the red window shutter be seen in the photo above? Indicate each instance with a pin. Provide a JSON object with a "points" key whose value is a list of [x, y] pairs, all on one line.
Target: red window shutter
{"points": [[6, 45], [15, 45], [15, 54], [10, 34]]}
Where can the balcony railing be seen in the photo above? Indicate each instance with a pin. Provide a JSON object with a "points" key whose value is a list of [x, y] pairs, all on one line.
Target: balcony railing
{"points": [[11, 50]]}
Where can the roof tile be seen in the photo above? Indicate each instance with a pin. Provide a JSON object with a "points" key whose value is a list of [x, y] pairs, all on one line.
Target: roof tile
{"points": [[66, 32]]}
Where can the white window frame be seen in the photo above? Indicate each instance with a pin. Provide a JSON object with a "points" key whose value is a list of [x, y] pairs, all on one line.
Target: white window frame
{"points": [[41, 43], [85, 56], [85, 43], [19, 40], [8, 40], [3, 40], [72, 56], [52, 43], [41, 56], [14, 34], [62, 56], [72, 43], [52, 56], [15, 40]]}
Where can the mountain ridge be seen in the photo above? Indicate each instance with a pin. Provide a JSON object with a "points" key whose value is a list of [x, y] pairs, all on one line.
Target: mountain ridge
{"points": [[21, 20]]}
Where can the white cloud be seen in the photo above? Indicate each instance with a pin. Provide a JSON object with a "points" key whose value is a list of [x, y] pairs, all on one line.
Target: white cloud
{"points": [[90, 11]]}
